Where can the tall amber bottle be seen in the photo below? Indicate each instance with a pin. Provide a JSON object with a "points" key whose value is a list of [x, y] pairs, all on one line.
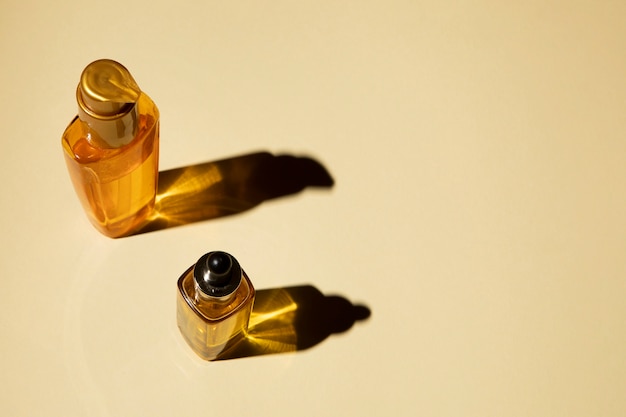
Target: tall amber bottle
{"points": [[112, 149], [215, 298]]}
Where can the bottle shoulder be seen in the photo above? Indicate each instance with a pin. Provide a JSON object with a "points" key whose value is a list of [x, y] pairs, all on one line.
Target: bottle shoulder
{"points": [[83, 144], [146, 106], [216, 310]]}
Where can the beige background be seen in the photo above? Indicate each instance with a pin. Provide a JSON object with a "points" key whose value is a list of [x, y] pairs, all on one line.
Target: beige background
{"points": [[478, 150]]}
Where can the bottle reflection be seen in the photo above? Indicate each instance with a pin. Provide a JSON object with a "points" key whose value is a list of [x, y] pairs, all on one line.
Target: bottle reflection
{"points": [[292, 319], [230, 186]]}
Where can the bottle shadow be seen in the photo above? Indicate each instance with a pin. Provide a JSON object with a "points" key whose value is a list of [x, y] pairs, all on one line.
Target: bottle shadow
{"points": [[292, 319], [229, 186]]}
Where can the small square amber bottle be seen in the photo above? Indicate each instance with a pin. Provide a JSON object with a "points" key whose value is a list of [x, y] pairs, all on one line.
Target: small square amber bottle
{"points": [[215, 298]]}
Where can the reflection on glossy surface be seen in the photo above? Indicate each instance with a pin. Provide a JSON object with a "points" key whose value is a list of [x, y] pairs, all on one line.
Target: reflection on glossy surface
{"points": [[293, 318], [230, 186]]}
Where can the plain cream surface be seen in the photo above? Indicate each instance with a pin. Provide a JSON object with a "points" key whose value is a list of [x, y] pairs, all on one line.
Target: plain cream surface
{"points": [[479, 207]]}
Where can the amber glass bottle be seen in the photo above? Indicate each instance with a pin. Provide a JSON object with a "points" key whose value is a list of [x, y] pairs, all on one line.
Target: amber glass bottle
{"points": [[215, 298], [112, 149]]}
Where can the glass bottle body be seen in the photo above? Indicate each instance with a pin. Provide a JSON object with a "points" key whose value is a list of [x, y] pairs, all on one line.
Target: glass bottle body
{"points": [[210, 325], [116, 186]]}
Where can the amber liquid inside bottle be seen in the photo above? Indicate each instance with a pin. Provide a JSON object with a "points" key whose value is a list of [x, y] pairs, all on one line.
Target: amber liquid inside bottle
{"points": [[116, 186], [210, 324]]}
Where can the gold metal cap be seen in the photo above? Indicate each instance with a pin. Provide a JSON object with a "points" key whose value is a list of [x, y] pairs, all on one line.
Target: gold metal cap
{"points": [[106, 90], [107, 96]]}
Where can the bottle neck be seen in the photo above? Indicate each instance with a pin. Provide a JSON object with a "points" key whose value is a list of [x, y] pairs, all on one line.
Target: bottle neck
{"points": [[201, 296], [112, 131]]}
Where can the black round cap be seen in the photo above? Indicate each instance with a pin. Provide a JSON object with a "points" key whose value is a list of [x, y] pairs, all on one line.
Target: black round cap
{"points": [[217, 274]]}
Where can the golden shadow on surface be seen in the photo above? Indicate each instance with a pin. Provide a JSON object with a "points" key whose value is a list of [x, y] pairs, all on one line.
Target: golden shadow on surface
{"points": [[215, 189]]}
